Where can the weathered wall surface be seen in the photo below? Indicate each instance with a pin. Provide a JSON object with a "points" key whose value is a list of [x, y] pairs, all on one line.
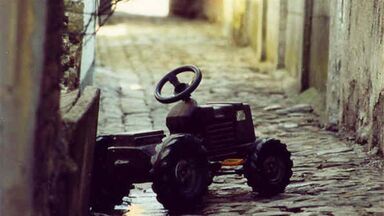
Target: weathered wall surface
{"points": [[356, 71], [232, 15], [255, 26], [48, 152], [272, 30], [239, 22], [213, 10], [319, 43], [282, 33], [29, 100], [306, 43], [265, 30], [21, 44], [72, 49], [295, 40], [88, 43]]}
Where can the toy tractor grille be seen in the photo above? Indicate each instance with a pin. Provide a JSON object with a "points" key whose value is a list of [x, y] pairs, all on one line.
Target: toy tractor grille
{"points": [[219, 135]]}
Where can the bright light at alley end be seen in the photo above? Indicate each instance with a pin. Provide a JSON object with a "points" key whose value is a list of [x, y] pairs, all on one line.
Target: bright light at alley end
{"points": [[154, 8]]}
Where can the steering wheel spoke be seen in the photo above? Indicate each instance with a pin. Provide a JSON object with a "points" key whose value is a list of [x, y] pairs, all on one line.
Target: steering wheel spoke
{"points": [[174, 80], [182, 91]]}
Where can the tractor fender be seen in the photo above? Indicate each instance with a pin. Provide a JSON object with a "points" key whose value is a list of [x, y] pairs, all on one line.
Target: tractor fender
{"points": [[260, 142], [133, 163], [186, 141]]}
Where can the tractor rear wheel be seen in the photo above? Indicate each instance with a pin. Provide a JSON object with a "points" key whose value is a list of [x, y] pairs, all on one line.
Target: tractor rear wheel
{"points": [[180, 172], [268, 167]]}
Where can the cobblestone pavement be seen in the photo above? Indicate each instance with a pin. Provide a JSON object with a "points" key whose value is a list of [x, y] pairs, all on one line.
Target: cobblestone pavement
{"points": [[331, 176]]}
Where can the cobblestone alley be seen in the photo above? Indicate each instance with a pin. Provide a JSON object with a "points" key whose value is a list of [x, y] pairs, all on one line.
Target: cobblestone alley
{"points": [[331, 176]]}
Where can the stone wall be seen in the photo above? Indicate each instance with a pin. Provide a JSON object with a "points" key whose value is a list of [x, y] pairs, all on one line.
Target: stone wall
{"points": [[234, 17], [78, 43], [302, 47], [254, 26], [272, 31], [213, 10], [89, 42], [283, 12], [291, 34], [295, 40], [255, 23], [239, 23], [319, 45], [355, 91], [72, 44]]}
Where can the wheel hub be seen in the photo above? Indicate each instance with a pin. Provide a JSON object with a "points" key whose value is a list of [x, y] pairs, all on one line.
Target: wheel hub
{"points": [[184, 171], [274, 169]]}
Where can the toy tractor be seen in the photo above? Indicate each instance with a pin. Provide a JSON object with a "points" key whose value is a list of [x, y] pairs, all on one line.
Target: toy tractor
{"points": [[202, 140]]}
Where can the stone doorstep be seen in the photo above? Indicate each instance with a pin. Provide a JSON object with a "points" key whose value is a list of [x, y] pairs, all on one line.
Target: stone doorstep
{"points": [[79, 127], [68, 100], [81, 103]]}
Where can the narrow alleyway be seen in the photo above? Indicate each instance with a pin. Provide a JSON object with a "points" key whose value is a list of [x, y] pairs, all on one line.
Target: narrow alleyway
{"points": [[331, 176]]}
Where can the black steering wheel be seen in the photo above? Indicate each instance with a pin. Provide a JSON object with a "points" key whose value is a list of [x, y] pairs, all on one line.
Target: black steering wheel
{"points": [[182, 91]]}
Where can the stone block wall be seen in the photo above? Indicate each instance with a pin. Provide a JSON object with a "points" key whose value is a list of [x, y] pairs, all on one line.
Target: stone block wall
{"points": [[355, 85], [78, 43], [72, 44]]}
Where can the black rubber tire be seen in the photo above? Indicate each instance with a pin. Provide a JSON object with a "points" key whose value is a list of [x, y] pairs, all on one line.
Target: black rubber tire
{"points": [[268, 181], [180, 155]]}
